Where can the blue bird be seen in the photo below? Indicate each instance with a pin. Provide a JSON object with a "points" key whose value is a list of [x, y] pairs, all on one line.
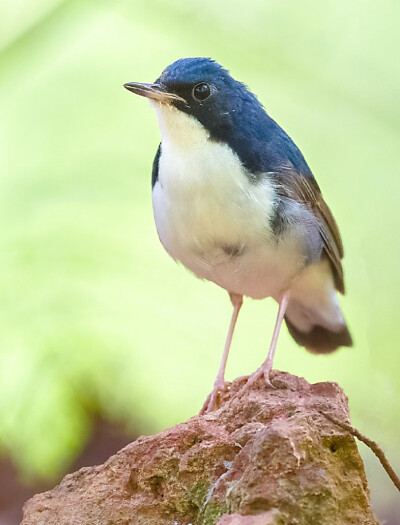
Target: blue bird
{"points": [[236, 203]]}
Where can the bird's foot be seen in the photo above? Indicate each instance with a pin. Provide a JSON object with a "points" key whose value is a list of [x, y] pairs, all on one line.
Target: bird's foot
{"points": [[263, 371], [213, 400]]}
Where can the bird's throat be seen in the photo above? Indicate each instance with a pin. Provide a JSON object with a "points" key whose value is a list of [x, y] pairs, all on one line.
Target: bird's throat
{"points": [[178, 129]]}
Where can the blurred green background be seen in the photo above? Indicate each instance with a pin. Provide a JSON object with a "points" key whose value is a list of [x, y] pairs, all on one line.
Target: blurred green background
{"points": [[94, 316]]}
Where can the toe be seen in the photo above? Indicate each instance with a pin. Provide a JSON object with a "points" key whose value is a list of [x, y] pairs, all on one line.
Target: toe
{"points": [[268, 379], [213, 400]]}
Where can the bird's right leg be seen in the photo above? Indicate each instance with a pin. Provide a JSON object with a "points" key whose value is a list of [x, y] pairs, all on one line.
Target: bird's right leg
{"points": [[266, 367], [210, 403]]}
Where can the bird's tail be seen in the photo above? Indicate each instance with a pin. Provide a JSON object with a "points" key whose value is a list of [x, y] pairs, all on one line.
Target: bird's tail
{"points": [[320, 340], [313, 316]]}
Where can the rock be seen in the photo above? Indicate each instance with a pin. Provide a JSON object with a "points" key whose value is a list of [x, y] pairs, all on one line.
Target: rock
{"points": [[268, 457], [264, 518]]}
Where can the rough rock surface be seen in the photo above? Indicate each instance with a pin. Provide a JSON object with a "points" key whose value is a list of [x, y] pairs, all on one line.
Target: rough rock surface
{"points": [[268, 457]]}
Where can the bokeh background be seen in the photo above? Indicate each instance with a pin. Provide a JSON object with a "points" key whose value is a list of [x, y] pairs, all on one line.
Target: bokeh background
{"points": [[99, 329]]}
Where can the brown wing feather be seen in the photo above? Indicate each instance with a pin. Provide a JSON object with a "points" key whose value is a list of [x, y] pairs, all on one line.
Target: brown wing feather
{"points": [[305, 189]]}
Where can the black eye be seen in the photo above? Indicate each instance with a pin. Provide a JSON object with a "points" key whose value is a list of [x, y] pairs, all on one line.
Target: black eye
{"points": [[201, 91]]}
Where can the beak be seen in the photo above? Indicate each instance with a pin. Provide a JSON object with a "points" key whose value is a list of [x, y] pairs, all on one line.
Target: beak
{"points": [[153, 91]]}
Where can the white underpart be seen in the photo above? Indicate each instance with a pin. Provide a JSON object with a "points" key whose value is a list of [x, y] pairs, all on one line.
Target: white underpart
{"points": [[203, 200]]}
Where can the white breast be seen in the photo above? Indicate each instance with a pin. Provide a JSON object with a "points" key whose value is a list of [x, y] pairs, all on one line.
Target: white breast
{"points": [[204, 203]]}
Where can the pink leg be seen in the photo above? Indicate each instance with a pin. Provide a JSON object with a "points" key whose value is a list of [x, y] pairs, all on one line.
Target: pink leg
{"points": [[219, 385], [266, 367]]}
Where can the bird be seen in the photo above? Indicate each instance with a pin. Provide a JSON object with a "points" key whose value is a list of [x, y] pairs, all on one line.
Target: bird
{"points": [[236, 203]]}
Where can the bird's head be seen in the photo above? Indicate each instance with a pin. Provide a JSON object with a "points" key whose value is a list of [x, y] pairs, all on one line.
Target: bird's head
{"points": [[201, 89]]}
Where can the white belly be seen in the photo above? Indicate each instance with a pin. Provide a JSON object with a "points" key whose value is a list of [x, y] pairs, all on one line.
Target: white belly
{"points": [[205, 205]]}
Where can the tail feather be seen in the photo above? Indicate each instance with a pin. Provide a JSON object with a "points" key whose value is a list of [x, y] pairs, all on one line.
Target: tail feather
{"points": [[320, 340]]}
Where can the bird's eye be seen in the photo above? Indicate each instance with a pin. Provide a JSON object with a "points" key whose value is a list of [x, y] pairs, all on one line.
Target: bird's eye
{"points": [[201, 91]]}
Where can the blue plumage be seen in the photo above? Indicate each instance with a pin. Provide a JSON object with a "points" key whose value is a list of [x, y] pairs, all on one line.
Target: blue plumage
{"points": [[235, 116]]}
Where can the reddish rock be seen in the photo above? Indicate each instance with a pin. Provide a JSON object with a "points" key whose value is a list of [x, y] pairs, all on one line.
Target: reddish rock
{"points": [[264, 518], [266, 458]]}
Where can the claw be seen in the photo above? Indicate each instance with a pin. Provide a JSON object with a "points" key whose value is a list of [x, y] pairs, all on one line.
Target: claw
{"points": [[261, 372], [266, 373], [213, 402]]}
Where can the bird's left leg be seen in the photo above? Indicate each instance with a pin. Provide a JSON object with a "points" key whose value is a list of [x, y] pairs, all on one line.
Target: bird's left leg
{"points": [[266, 367], [210, 403]]}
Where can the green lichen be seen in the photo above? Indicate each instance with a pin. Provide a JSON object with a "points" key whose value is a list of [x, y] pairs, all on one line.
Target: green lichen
{"points": [[212, 512], [198, 493], [194, 505], [195, 501]]}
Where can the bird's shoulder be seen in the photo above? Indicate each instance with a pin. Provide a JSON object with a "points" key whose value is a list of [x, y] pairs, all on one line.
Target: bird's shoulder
{"points": [[156, 162]]}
